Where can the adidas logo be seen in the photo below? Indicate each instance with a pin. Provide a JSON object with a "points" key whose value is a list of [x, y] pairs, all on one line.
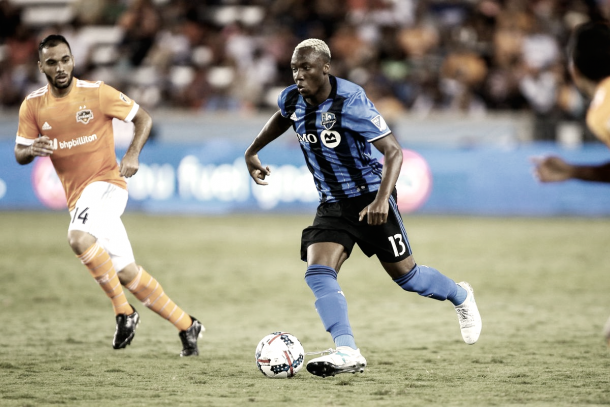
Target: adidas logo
{"points": [[294, 117], [46, 126]]}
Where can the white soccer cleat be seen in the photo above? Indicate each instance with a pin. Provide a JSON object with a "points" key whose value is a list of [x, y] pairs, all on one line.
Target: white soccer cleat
{"points": [[341, 360], [469, 316]]}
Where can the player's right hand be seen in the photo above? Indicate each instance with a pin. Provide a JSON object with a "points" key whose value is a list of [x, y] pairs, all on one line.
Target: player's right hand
{"points": [[257, 171], [42, 147], [376, 212]]}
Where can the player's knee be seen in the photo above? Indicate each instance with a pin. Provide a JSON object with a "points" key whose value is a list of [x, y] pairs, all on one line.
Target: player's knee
{"points": [[401, 268], [414, 281], [128, 273], [321, 279], [426, 282], [80, 241]]}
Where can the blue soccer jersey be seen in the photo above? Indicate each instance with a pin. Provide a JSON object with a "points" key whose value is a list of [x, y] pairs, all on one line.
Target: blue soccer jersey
{"points": [[336, 138]]}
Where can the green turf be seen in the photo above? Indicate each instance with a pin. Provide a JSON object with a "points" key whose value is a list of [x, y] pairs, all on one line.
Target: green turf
{"points": [[541, 284]]}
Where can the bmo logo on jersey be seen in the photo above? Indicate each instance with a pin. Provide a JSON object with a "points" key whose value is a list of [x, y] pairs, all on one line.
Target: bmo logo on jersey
{"points": [[307, 138], [330, 139]]}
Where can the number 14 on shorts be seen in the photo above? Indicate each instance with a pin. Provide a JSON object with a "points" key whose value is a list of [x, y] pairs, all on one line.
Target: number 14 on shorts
{"points": [[83, 215]]}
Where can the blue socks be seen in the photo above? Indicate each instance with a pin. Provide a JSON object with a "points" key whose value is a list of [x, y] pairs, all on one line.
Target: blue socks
{"points": [[332, 306], [429, 282], [459, 297], [330, 303], [345, 340]]}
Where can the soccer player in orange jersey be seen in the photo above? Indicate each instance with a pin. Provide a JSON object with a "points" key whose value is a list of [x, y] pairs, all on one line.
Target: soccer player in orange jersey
{"points": [[590, 69], [70, 121]]}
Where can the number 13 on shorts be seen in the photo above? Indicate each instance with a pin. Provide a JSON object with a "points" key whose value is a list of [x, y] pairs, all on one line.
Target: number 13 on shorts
{"points": [[397, 244]]}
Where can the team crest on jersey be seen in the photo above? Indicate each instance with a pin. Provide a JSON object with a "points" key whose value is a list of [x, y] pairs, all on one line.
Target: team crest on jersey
{"points": [[124, 98], [84, 116], [328, 120], [379, 122]]}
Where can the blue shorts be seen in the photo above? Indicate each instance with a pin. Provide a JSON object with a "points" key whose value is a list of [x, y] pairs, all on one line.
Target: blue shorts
{"points": [[338, 222]]}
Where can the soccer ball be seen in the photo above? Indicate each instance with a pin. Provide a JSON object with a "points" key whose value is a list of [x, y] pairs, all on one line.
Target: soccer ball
{"points": [[279, 355]]}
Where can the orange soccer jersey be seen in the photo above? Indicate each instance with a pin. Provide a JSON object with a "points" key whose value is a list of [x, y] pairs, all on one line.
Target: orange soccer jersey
{"points": [[80, 128], [598, 116]]}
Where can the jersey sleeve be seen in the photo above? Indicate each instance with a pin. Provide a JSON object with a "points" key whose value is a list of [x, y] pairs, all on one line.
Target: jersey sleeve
{"points": [[282, 101], [27, 130], [363, 118], [116, 104], [598, 116]]}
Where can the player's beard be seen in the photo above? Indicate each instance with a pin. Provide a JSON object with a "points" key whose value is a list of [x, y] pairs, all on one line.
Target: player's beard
{"points": [[53, 82]]}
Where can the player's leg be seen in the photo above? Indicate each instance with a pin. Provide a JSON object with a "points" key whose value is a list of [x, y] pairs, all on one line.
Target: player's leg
{"points": [[97, 206], [140, 283], [149, 291], [98, 260], [429, 282], [324, 260], [389, 242], [83, 222], [396, 258], [426, 281], [325, 246]]}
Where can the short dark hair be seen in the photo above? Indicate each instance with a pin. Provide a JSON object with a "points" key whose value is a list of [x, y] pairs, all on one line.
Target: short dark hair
{"points": [[53, 40], [589, 49]]}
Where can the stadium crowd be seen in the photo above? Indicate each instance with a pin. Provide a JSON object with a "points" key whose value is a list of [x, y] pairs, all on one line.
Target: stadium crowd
{"points": [[419, 56]]}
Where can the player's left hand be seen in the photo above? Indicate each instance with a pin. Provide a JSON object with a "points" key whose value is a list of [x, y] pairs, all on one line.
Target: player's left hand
{"points": [[129, 165], [551, 169], [376, 213]]}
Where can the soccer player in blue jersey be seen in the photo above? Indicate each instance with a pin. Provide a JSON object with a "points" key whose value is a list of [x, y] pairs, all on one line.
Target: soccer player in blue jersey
{"points": [[336, 124]]}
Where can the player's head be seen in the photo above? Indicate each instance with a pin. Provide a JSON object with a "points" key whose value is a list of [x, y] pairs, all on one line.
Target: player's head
{"points": [[317, 46], [310, 65], [589, 51], [55, 60]]}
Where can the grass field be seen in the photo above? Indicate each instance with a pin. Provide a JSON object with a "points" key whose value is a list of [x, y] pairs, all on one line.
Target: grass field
{"points": [[542, 287]]}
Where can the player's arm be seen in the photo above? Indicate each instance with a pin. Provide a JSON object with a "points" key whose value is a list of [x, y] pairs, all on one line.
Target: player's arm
{"points": [[377, 211], [41, 147], [275, 127], [29, 144], [142, 125], [555, 169]]}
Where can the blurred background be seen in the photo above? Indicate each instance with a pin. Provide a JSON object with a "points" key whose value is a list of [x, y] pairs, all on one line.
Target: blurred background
{"points": [[474, 86], [419, 56]]}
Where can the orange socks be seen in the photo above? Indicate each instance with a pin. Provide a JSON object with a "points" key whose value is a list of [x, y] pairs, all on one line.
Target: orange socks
{"points": [[97, 260], [148, 290], [144, 287]]}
